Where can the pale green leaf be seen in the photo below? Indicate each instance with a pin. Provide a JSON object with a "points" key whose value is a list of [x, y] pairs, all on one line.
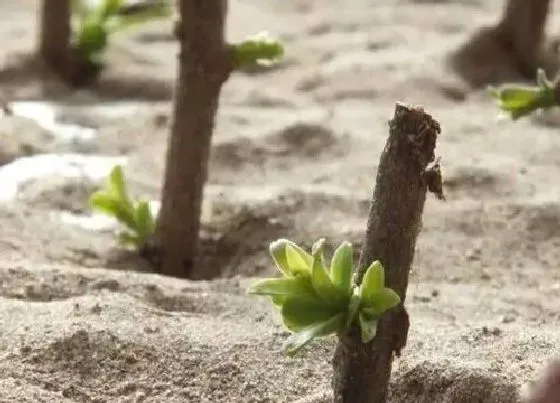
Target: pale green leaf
{"points": [[299, 312], [342, 267], [145, 224], [107, 204], [299, 258], [285, 286], [512, 97], [299, 261], [127, 238], [322, 283], [104, 202], [278, 300], [353, 308], [373, 280], [91, 38], [368, 326], [117, 185], [298, 340], [380, 302], [260, 49], [318, 247]]}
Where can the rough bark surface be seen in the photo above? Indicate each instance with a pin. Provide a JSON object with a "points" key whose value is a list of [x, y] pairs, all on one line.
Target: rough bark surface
{"points": [[522, 30], [54, 35], [511, 50], [362, 371], [204, 65]]}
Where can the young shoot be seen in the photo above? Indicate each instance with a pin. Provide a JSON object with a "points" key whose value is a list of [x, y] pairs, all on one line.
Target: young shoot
{"points": [[136, 217], [257, 50], [94, 22], [519, 101], [317, 298]]}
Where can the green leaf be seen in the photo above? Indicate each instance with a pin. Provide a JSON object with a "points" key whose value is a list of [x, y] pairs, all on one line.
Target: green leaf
{"points": [[145, 224], [381, 301], [368, 326], [321, 281], [91, 38], [318, 247], [298, 340], [259, 49], [373, 281], [299, 261], [317, 253], [299, 312], [353, 308], [342, 267], [116, 184], [127, 238], [278, 300], [104, 202], [512, 97], [107, 204], [278, 251], [286, 286], [289, 258], [520, 100]]}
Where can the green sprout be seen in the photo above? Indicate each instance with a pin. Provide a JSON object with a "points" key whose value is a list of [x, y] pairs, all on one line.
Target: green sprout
{"points": [[519, 101], [94, 23], [257, 50], [317, 300], [135, 217]]}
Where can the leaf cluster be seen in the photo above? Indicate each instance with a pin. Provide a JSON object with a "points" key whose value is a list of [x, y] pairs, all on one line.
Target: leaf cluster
{"points": [[317, 299], [519, 101], [259, 49], [94, 23], [136, 217]]}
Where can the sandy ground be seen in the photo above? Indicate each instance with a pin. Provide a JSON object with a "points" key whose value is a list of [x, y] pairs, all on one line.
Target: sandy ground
{"points": [[294, 155]]}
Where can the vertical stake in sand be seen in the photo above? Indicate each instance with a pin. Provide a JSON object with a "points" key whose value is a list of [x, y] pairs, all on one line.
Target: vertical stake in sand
{"points": [[54, 34], [523, 26], [405, 174], [205, 63]]}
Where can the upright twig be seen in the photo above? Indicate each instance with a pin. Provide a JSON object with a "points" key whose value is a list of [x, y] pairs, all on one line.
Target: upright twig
{"points": [[362, 371], [54, 34], [205, 63], [523, 29]]}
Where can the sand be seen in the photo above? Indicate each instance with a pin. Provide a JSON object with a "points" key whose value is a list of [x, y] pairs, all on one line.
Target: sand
{"points": [[294, 155]]}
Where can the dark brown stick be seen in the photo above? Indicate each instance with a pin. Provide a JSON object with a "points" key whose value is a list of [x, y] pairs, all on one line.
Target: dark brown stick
{"points": [[362, 371], [54, 34], [547, 388], [205, 63], [523, 29]]}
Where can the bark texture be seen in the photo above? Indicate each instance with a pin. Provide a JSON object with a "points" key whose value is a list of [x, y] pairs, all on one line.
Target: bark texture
{"points": [[362, 371], [522, 30], [511, 50], [205, 63], [54, 36]]}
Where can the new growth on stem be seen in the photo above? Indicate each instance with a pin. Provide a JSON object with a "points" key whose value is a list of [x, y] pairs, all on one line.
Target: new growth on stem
{"points": [[521, 100], [407, 170], [317, 299], [206, 61]]}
